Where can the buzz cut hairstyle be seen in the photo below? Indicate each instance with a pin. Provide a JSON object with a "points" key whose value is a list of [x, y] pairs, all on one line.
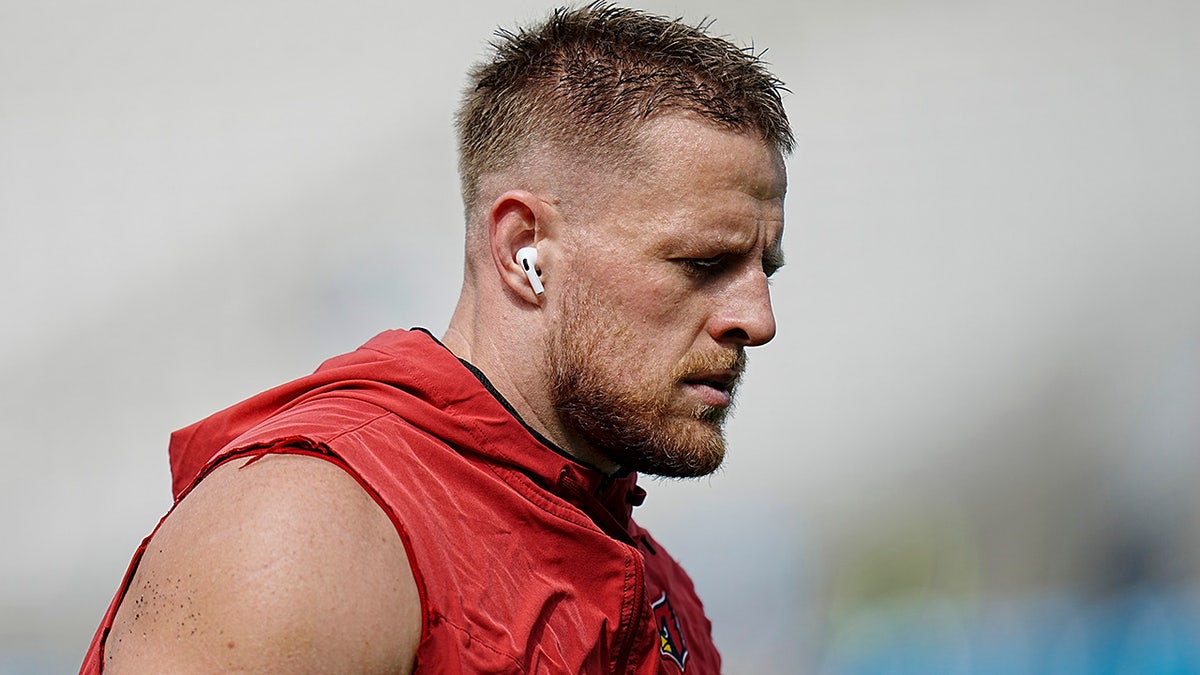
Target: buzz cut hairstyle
{"points": [[587, 80]]}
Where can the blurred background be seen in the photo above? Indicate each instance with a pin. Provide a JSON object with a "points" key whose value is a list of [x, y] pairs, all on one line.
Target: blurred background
{"points": [[971, 449]]}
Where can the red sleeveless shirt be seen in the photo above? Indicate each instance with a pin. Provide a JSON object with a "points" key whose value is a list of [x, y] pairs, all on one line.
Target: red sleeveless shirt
{"points": [[526, 561]]}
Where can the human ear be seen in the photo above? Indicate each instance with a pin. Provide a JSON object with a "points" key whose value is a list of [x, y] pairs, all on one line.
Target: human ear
{"points": [[517, 223]]}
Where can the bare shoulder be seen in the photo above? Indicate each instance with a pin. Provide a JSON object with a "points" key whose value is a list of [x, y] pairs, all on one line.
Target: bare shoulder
{"points": [[280, 564]]}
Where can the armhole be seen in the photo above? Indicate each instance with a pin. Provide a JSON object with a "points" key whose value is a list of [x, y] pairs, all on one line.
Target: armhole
{"points": [[305, 446], [292, 445]]}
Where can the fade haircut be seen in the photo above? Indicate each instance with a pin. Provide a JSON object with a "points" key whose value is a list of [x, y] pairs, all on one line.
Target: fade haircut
{"points": [[586, 81]]}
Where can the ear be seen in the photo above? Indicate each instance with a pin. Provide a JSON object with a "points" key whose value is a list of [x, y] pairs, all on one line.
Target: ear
{"points": [[518, 219]]}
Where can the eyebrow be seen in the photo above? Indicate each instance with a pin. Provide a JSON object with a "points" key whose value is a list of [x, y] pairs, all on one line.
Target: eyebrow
{"points": [[773, 256]]}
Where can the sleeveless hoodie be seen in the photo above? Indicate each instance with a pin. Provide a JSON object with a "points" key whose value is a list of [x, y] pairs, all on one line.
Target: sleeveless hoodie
{"points": [[526, 560]]}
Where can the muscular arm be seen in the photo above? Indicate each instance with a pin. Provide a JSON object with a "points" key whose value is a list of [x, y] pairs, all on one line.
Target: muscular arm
{"points": [[282, 565]]}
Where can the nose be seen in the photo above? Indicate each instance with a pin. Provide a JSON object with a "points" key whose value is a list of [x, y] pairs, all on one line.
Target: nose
{"points": [[743, 316]]}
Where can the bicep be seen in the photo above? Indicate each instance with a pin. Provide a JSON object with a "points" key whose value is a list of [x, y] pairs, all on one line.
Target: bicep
{"points": [[282, 564]]}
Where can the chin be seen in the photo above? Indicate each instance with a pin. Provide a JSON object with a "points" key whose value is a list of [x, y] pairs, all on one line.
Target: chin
{"points": [[689, 449]]}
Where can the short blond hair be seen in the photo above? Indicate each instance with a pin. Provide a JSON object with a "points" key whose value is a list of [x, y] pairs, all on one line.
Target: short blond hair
{"points": [[585, 80]]}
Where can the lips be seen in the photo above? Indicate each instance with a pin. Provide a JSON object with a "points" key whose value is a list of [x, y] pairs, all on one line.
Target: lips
{"points": [[715, 388], [722, 379]]}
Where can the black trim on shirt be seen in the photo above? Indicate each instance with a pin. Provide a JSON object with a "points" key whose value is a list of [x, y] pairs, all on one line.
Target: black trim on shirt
{"points": [[487, 384]]}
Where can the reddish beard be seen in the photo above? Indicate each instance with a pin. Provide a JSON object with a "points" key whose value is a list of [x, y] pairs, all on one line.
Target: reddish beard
{"points": [[642, 424]]}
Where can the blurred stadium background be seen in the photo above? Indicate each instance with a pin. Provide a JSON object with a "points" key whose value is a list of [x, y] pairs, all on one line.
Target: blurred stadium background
{"points": [[972, 448]]}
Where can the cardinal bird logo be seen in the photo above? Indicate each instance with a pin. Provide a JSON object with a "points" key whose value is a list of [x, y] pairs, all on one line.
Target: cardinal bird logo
{"points": [[670, 635]]}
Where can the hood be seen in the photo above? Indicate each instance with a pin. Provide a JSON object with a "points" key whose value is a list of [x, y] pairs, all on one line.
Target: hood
{"points": [[412, 375]]}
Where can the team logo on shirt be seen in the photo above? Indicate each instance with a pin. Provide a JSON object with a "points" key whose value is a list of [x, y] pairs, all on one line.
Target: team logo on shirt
{"points": [[670, 635]]}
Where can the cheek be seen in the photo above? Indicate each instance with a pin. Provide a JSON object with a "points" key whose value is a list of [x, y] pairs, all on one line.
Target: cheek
{"points": [[654, 303], [669, 323], [652, 309]]}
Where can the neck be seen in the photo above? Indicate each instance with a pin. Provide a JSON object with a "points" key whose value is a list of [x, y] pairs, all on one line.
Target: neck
{"points": [[511, 354]]}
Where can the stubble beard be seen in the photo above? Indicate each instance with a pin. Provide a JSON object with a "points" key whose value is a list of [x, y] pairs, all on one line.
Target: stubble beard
{"points": [[640, 424]]}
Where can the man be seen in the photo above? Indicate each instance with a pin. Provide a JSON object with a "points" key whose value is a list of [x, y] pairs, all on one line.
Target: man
{"points": [[464, 506]]}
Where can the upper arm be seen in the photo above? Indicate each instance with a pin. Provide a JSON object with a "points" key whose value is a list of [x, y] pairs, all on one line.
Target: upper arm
{"points": [[285, 563]]}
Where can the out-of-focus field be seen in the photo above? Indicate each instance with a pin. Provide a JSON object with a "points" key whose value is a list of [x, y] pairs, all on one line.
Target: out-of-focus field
{"points": [[971, 449]]}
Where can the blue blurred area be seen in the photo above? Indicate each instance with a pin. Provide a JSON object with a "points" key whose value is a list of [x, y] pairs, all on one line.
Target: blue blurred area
{"points": [[1147, 630], [35, 662]]}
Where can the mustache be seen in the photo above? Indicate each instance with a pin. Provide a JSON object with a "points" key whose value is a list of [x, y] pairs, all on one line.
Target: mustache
{"points": [[707, 362]]}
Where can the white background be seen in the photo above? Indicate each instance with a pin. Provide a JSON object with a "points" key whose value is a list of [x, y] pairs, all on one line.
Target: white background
{"points": [[988, 362]]}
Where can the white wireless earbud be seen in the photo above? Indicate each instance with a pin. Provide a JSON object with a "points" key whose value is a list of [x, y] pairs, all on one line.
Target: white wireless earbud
{"points": [[527, 256]]}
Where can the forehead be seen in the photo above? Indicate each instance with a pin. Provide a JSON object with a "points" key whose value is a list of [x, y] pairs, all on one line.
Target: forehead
{"points": [[688, 178], [680, 148]]}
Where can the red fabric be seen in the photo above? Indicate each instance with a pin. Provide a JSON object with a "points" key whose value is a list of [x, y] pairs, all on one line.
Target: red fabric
{"points": [[526, 561]]}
